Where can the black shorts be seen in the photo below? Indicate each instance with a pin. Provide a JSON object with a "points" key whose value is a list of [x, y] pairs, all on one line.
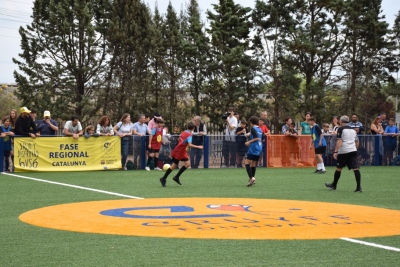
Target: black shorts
{"points": [[348, 159], [176, 161], [320, 150], [252, 157], [154, 150]]}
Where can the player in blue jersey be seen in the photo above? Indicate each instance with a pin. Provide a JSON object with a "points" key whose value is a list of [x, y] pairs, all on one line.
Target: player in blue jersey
{"points": [[254, 150]]}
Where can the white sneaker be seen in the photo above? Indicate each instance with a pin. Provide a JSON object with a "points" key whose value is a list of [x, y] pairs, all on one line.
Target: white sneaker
{"points": [[158, 169], [147, 169]]}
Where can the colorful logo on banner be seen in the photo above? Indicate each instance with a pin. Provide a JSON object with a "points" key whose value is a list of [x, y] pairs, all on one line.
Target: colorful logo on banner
{"points": [[62, 153], [219, 218]]}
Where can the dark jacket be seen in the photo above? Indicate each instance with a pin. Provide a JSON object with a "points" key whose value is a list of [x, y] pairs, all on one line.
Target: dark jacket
{"points": [[196, 138], [25, 126]]}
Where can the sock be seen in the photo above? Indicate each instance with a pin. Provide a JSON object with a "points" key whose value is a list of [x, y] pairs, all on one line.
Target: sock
{"points": [[181, 170], [336, 178], [318, 166], [322, 166], [253, 171], [148, 161], [249, 172], [167, 173], [357, 174], [155, 162]]}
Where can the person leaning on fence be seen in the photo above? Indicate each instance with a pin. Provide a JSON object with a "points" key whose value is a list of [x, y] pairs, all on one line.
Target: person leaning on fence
{"points": [[198, 134], [47, 126], [24, 124], [305, 142], [90, 131], [180, 154], [391, 133], [346, 154], [33, 115], [73, 127], [228, 146], [254, 149], [124, 130], [139, 131], [6, 134], [319, 145], [104, 127]]}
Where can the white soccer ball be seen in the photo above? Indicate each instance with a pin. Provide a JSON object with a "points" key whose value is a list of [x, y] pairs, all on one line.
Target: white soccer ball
{"points": [[166, 167]]}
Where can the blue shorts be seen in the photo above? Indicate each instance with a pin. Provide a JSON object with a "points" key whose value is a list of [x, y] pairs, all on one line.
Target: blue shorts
{"points": [[253, 157]]}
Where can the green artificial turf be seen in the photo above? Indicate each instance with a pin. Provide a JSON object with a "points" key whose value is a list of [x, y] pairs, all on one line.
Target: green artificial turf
{"points": [[22, 244]]}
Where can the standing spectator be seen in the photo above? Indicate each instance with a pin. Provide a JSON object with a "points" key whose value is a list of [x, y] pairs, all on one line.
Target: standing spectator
{"points": [[73, 127], [333, 127], [384, 123], [346, 154], [165, 151], [255, 148], [35, 121], [265, 132], [139, 131], [6, 134], [294, 147], [264, 117], [153, 122], [391, 133], [48, 126], [286, 143], [228, 146], [24, 124], [104, 127], [90, 131], [241, 143], [198, 134], [155, 145], [286, 126], [175, 136], [305, 142], [13, 118], [180, 154], [356, 125], [377, 130], [124, 130], [319, 145]]}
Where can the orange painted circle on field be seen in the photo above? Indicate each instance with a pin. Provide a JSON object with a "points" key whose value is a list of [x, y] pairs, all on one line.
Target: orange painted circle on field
{"points": [[219, 218]]}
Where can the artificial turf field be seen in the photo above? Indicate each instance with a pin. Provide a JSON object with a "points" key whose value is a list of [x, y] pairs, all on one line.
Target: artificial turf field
{"points": [[23, 244]]}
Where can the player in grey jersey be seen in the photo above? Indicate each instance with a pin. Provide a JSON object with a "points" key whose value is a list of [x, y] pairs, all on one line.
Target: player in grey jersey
{"points": [[346, 153]]}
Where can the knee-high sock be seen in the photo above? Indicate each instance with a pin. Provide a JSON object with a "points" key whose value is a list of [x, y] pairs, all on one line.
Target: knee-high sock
{"points": [[357, 174], [155, 162], [336, 178], [148, 161], [181, 170], [167, 173], [249, 172], [253, 170]]}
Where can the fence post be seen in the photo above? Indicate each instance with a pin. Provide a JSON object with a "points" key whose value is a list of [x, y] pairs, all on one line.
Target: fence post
{"points": [[206, 152], [143, 153], [377, 154], [1, 155]]}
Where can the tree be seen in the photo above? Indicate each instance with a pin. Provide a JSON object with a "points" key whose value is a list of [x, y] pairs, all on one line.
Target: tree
{"points": [[365, 32], [63, 53], [194, 53], [229, 67], [313, 40], [128, 71]]}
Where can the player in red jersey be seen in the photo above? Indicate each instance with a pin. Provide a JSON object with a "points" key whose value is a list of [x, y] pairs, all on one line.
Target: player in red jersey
{"points": [[180, 154]]}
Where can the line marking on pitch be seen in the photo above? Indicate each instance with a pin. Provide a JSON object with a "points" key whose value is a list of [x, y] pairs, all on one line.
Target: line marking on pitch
{"points": [[370, 244], [73, 186]]}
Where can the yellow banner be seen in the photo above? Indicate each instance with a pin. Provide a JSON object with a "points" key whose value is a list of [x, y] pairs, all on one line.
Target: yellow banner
{"points": [[67, 154]]}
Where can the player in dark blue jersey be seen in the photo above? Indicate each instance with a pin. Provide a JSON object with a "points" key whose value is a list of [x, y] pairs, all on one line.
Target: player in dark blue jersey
{"points": [[254, 151]]}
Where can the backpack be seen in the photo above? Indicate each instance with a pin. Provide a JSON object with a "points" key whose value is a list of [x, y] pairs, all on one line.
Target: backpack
{"points": [[130, 165]]}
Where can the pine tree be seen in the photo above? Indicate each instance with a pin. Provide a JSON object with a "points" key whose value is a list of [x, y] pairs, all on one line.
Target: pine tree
{"points": [[63, 54], [194, 53], [128, 41], [229, 68], [365, 32]]}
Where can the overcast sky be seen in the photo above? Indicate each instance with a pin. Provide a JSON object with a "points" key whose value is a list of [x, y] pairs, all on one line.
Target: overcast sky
{"points": [[16, 13]]}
